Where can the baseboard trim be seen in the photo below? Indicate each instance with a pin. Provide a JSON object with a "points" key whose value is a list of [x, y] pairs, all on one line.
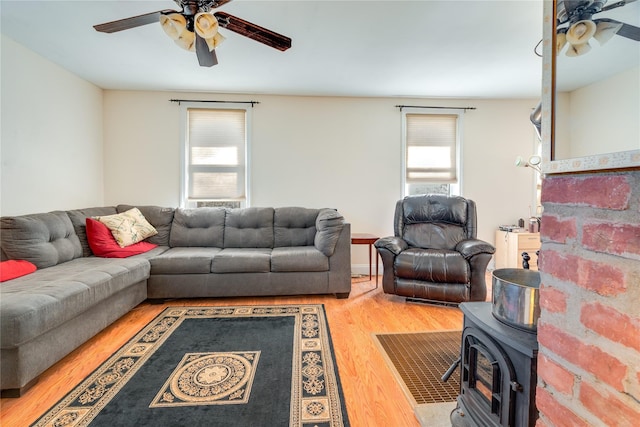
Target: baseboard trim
{"points": [[364, 269]]}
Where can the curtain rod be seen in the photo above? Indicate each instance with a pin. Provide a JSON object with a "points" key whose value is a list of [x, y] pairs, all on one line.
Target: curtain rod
{"points": [[446, 108], [220, 102]]}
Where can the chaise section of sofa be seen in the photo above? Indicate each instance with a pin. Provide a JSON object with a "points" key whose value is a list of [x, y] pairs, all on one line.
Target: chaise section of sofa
{"points": [[67, 300]]}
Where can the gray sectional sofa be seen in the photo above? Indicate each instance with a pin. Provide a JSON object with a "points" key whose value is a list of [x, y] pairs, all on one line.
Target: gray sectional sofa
{"points": [[202, 252]]}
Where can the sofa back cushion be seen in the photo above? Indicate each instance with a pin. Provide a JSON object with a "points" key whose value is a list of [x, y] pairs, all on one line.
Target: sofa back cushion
{"points": [[203, 227], [158, 216], [79, 217], [249, 228], [294, 226], [44, 239]]}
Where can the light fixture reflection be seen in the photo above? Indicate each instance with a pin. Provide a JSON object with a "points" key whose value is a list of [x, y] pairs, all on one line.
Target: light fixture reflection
{"points": [[578, 35]]}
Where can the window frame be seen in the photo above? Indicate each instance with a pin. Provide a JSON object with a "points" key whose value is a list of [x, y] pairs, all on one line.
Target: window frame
{"points": [[185, 202], [455, 189]]}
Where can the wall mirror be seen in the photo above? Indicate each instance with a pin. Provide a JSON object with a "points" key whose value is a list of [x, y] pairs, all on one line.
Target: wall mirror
{"points": [[591, 85]]}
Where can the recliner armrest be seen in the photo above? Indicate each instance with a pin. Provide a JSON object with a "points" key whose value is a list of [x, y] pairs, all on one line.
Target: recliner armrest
{"points": [[471, 247], [393, 244]]}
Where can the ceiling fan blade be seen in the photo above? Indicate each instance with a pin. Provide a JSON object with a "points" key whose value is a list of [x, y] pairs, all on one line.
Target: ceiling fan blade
{"points": [[217, 3], [206, 58], [134, 21], [629, 31], [253, 31], [616, 4]]}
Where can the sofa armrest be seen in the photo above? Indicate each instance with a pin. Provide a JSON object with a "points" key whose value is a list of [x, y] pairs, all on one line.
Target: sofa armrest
{"points": [[329, 225], [471, 247], [392, 244]]}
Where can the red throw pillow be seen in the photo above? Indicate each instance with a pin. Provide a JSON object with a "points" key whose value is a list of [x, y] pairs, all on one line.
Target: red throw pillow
{"points": [[103, 244], [15, 268]]}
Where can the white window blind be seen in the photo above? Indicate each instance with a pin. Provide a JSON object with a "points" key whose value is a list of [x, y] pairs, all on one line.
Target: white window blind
{"points": [[431, 141], [216, 146]]}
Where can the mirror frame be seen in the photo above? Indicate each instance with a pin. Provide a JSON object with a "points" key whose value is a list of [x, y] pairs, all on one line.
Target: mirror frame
{"points": [[599, 162]]}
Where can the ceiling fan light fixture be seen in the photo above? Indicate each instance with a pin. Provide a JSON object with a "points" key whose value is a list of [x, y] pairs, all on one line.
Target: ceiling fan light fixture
{"points": [[187, 41], [206, 25], [561, 41], [215, 41], [606, 30], [173, 25], [581, 32], [578, 49]]}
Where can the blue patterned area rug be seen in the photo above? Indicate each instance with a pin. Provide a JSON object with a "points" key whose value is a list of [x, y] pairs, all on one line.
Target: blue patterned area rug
{"points": [[215, 366]]}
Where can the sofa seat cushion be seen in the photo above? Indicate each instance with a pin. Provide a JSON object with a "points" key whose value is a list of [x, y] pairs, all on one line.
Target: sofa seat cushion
{"points": [[298, 258], [184, 260], [242, 260], [432, 265], [34, 304]]}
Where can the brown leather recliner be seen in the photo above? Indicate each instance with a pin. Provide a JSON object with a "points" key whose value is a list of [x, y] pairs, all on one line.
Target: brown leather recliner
{"points": [[435, 254]]}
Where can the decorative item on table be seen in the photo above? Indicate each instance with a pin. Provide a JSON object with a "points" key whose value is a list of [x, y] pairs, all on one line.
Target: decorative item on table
{"points": [[534, 222]]}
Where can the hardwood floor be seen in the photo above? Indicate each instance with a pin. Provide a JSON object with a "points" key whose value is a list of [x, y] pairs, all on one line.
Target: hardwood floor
{"points": [[372, 396]]}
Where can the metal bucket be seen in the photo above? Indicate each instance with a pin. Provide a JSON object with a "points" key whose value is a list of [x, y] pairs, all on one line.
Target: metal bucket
{"points": [[516, 297]]}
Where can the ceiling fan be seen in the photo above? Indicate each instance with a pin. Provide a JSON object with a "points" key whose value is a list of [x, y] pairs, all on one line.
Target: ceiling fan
{"points": [[195, 28], [576, 26]]}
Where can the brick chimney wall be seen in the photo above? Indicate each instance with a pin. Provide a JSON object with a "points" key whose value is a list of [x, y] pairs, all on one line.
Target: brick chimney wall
{"points": [[589, 327]]}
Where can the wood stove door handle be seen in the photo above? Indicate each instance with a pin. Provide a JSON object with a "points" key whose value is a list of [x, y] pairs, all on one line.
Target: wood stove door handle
{"points": [[515, 386]]}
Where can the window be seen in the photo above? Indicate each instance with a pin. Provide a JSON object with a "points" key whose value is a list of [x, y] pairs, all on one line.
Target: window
{"points": [[215, 156], [431, 145]]}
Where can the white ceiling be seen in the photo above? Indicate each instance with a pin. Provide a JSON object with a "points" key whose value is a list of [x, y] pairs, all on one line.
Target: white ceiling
{"points": [[420, 48]]}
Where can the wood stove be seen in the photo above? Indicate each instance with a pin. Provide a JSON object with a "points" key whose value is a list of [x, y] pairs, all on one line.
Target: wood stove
{"points": [[498, 371]]}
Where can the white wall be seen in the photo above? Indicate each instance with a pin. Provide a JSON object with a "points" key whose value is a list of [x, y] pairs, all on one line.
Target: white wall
{"points": [[51, 148], [67, 144], [590, 126], [142, 149], [337, 152]]}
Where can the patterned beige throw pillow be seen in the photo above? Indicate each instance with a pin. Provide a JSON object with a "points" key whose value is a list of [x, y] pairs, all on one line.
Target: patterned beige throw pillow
{"points": [[128, 227]]}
